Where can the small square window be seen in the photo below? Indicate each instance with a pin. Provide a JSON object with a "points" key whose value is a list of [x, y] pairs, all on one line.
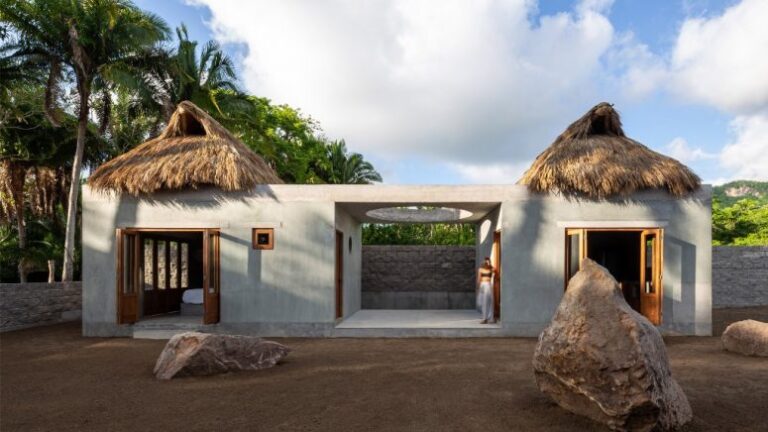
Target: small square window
{"points": [[263, 238]]}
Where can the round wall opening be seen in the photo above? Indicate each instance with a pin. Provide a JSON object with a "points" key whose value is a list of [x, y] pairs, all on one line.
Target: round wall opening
{"points": [[419, 214]]}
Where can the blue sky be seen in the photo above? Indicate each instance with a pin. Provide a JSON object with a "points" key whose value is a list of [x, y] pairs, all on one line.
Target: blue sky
{"points": [[470, 92]]}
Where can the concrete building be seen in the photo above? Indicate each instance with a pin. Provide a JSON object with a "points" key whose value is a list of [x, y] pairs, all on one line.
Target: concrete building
{"points": [[285, 260]]}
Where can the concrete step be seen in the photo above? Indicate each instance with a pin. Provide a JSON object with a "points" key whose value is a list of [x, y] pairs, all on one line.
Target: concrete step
{"points": [[495, 331], [156, 334]]}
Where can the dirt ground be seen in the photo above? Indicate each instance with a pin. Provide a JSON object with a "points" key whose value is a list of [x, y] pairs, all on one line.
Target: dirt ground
{"points": [[53, 379], [721, 318]]}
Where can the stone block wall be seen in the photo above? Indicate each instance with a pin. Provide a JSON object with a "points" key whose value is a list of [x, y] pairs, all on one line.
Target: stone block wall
{"points": [[739, 276], [418, 277], [39, 303]]}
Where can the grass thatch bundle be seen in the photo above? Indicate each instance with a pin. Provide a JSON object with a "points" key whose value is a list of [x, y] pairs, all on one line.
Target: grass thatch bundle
{"points": [[194, 150], [593, 158]]}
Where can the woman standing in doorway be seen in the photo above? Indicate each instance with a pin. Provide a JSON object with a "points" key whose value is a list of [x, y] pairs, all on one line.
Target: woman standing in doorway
{"points": [[485, 291]]}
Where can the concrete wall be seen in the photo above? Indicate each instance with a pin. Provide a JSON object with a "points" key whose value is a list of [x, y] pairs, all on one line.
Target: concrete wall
{"points": [[352, 261], [739, 276], [35, 304], [418, 277], [290, 288], [533, 239], [485, 230]]}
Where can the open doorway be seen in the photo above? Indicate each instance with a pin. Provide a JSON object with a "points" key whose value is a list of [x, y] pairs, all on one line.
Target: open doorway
{"points": [[632, 256], [166, 273], [419, 275]]}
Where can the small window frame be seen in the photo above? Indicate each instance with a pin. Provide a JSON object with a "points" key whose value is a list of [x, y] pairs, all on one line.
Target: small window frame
{"points": [[256, 232]]}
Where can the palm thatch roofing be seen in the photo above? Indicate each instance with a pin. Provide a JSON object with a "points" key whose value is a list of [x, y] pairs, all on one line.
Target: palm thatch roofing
{"points": [[194, 150], [594, 159]]}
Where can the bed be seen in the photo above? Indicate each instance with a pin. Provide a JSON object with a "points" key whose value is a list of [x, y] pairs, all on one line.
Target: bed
{"points": [[192, 302]]}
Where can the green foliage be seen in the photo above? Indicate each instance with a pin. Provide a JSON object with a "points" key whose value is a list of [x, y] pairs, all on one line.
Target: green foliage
{"points": [[745, 223], [729, 193], [204, 76], [419, 234], [105, 63], [345, 168], [45, 240], [282, 135], [26, 135]]}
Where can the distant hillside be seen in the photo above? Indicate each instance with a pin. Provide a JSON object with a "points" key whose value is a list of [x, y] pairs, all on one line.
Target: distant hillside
{"points": [[729, 193]]}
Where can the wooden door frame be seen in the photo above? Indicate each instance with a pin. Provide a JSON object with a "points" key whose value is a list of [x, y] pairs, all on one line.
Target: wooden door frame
{"points": [[658, 258], [656, 273], [496, 256], [119, 232], [211, 299], [122, 317], [582, 233], [339, 274]]}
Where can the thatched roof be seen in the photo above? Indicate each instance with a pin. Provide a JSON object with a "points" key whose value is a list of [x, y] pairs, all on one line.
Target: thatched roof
{"points": [[194, 150], [593, 158]]}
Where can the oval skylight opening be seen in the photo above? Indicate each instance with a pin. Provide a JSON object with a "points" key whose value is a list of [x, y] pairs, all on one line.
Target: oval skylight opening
{"points": [[417, 214]]}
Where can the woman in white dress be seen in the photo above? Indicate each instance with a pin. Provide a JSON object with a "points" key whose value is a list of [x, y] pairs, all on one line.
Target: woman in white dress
{"points": [[485, 291]]}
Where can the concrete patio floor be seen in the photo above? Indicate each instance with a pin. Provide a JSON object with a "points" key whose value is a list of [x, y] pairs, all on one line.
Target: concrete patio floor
{"points": [[415, 319]]}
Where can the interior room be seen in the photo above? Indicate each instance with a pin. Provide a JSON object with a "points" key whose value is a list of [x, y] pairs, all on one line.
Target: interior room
{"points": [[619, 252], [171, 272]]}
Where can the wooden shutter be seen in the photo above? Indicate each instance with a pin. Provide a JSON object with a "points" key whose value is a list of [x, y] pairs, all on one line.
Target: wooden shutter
{"points": [[651, 262], [496, 257], [575, 252], [128, 255], [211, 277]]}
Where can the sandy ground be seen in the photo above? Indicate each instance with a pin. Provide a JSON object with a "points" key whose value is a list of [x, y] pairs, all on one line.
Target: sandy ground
{"points": [[53, 379]]}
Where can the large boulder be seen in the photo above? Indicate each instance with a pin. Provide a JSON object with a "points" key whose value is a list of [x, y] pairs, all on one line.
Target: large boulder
{"points": [[601, 359], [194, 353], [747, 337]]}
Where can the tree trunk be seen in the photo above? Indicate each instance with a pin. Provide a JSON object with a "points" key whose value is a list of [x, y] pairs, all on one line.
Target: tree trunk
{"points": [[16, 176], [51, 271], [68, 267]]}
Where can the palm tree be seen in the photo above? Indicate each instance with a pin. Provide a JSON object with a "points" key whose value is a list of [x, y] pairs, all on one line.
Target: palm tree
{"points": [[208, 80], [344, 168], [95, 40]]}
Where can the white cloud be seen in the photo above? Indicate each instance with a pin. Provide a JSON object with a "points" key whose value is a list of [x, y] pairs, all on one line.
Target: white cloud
{"points": [[722, 61], [637, 71], [494, 173], [747, 156], [484, 86], [679, 149], [465, 82]]}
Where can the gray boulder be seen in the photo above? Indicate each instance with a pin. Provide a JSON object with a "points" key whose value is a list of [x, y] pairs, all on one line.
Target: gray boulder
{"points": [[748, 337], [600, 359], [194, 353]]}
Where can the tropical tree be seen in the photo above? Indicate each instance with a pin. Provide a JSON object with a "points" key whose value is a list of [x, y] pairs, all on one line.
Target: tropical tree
{"points": [[345, 168], [34, 151], [94, 40], [208, 80], [744, 223]]}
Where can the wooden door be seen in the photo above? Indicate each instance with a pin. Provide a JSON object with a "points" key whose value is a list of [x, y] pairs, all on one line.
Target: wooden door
{"points": [[211, 277], [575, 252], [128, 254], [650, 274], [496, 257], [339, 276]]}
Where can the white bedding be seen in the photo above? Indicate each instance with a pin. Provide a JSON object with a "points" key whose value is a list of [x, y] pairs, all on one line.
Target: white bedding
{"points": [[193, 296]]}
